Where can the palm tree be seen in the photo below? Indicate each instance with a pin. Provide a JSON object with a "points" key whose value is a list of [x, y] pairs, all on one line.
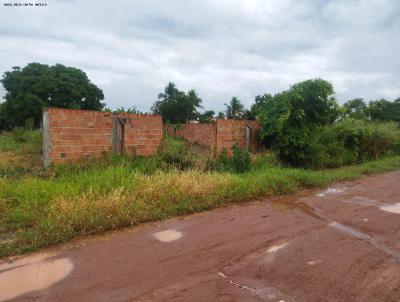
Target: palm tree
{"points": [[235, 109]]}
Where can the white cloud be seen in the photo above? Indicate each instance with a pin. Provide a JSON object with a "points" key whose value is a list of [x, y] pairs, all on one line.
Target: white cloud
{"points": [[132, 49]]}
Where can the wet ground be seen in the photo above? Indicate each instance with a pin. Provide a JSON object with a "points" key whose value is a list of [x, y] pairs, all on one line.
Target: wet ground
{"points": [[337, 244]]}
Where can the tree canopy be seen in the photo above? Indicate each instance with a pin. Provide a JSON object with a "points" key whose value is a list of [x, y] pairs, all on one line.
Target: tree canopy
{"points": [[379, 110], [290, 117], [207, 116], [176, 106], [38, 85], [384, 111], [356, 109], [235, 109]]}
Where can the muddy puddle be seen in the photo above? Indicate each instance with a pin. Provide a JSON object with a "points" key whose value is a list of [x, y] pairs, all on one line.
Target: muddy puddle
{"points": [[294, 202], [168, 235], [331, 190], [391, 208], [32, 274], [349, 231], [314, 262], [273, 249]]}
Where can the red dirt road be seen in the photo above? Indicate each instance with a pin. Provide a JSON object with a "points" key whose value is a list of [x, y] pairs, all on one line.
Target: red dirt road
{"points": [[336, 244]]}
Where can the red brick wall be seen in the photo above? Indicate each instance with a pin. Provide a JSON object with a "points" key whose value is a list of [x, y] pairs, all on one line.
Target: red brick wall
{"points": [[143, 133], [170, 130], [203, 134], [70, 135], [230, 132], [219, 135]]}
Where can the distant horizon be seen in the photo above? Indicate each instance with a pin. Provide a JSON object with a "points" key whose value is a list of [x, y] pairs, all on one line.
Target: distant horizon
{"points": [[220, 49]]}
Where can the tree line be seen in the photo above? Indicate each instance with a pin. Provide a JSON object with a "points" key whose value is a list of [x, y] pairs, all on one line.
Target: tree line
{"points": [[35, 86]]}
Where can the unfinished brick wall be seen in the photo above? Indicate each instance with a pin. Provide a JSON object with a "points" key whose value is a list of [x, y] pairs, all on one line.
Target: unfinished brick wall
{"points": [[219, 135], [143, 133], [230, 132], [203, 134], [70, 135]]}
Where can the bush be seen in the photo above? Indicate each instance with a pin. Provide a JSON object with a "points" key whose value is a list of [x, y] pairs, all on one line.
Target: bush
{"points": [[176, 152], [348, 142], [301, 125], [368, 140], [290, 120], [239, 162], [240, 159]]}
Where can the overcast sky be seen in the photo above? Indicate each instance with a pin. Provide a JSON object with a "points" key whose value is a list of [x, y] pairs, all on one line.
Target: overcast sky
{"points": [[132, 49]]}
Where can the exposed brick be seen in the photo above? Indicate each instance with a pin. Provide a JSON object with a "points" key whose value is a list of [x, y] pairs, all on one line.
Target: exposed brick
{"points": [[78, 134], [219, 135]]}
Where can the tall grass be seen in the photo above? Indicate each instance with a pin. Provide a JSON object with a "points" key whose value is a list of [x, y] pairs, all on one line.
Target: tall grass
{"points": [[20, 152], [42, 207], [39, 211]]}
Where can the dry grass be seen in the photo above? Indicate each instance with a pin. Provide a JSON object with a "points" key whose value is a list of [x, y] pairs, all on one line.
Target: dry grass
{"points": [[105, 195]]}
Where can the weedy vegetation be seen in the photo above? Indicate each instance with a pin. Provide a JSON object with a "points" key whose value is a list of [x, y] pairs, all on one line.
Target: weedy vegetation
{"points": [[41, 207]]}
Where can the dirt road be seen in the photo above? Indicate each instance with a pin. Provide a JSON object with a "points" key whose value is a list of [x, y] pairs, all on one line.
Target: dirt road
{"points": [[337, 244]]}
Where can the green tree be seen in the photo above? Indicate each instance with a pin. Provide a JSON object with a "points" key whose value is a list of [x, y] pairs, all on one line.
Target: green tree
{"points": [[384, 111], [38, 85], [133, 109], [235, 109], [221, 115], [291, 119], [249, 115], [259, 103], [255, 109], [313, 104], [396, 110], [356, 109], [207, 116], [176, 106]]}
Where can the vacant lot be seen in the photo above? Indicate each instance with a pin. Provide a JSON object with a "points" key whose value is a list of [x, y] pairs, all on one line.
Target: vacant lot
{"points": [[42, 207]]}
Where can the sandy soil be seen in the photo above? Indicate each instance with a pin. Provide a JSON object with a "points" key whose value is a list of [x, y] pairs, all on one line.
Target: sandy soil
{"points": [[337, 244]]}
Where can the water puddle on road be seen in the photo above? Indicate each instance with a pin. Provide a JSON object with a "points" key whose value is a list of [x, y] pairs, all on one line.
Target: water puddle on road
{"points": [[362, 201], [273, 249], [290, 203], [168, 235], [270, 254], [32, 274], [392, 208], [314, 262], [331, 191], [349, 231]]}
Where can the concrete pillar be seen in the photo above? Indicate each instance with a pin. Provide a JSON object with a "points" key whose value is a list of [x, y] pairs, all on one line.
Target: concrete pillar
{"points": [[248, 137], [115, 134], [46, 138]]}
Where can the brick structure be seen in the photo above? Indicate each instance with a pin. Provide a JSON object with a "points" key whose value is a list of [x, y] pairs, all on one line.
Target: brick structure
{"points": [[230, 132], [221, 134], [203, 134], [70, 135]]}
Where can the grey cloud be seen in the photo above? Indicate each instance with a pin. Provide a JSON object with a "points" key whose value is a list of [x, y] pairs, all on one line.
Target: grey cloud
{"points": [[221, 48]]}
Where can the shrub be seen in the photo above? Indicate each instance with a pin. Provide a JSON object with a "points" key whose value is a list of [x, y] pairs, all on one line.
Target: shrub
{"points": [[290, 119], [176, 152], [301, 125], [351, 141], [239, 162], [240, 159], [368, 140]]}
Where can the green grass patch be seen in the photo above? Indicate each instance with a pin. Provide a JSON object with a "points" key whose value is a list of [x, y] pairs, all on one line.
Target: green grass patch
{"points": [[20, 153], [43, 207], [41, 212]]}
